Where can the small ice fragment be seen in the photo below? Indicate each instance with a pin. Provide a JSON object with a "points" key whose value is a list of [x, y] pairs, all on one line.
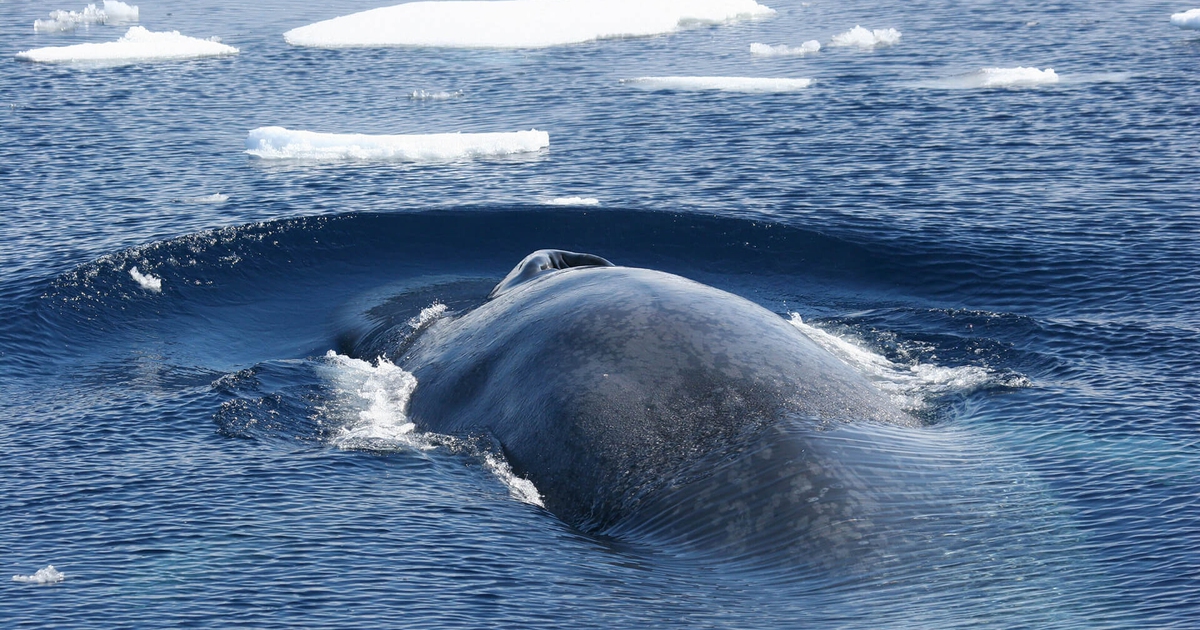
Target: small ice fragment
{"points": [[138, 44], [213, 198], [783, 50], [1189, 19], [114, 12], [422, 95], [573, 201], [146, 281], [723, 84], [49, 575], [859, 37], [278, 143]]}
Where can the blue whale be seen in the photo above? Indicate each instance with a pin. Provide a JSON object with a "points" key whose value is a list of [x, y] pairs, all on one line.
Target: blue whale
{"points": [[650, 408]]}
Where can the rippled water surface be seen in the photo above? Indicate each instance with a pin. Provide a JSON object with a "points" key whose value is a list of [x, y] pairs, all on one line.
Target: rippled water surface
{"points": [[1016, 266]]}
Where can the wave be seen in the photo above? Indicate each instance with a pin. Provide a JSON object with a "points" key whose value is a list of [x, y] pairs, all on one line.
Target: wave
{"points": [[722, 84], [783, 50], [517, 23], [114, 12], [138, 44], [278, 143], [1187, 19], [859, 37]]}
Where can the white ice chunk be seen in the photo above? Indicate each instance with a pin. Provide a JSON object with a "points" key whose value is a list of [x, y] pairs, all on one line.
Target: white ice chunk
{"points": [[278, 143], [573, 201], [782, 50], [517, 23], [997, 78], [114, 12], [1188, 19], [49, 575], [138, 44], [215, 198], [422, 95], [146, 281], [723, 84], [859, 37]]}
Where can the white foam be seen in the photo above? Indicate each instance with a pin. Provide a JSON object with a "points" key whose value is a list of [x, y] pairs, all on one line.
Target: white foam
{"points": [[909, 386], [427, 316], [859, 37], [519, 488], [379, 394], [573, 201], [422, 95], [998, 78], [783, 50], [723, 84], [138, 44], [213, 198], [1189, 19], [146, 281], [517, 23], [49, 575], [277, 143], [114, 12]]}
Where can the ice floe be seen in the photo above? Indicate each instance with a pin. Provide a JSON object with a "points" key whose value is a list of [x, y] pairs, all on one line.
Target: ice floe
{"points": [[422, 95], [782, 50], [49, 575], [517, 23], [997, 78], [859, 37], [572, 201], [138, 44], [114, 12], [278, 143], [723, 84], [1187, 19], [203, 199], [145, 280]]}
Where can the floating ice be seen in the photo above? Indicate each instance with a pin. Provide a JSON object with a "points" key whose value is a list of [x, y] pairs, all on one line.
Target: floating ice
{"points": [[723, 84], [573, 201], [763, 50], [1000, 78], [114, 12], [1188, 19], [213, 198], [859, 37], [146, 281], [517, 23], [909, 386], [49, 575], [138, 44], [422, 95], [278, 143]]}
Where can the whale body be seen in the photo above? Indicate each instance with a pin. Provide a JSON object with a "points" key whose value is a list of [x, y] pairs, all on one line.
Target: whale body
{"points": [[648, 407]]}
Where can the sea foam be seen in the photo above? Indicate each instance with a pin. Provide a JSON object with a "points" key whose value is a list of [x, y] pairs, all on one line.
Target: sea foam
{"points": [[783, 50], [278, 143], [859, 37], [49, 575], [138, 44], [998, 78], [909, 386], [114, 12], [1187, 19], [517, 23], [723, 84], [145, 280]]}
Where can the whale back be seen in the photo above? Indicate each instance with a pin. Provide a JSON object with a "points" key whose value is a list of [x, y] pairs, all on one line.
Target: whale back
{"points": [[603, 384]]}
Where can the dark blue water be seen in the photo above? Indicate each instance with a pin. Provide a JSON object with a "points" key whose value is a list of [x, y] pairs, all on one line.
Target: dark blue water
{"points": [[1018, 267]]}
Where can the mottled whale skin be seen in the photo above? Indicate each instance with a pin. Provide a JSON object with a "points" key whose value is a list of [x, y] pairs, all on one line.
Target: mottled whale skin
{"points": [[649, 407]]}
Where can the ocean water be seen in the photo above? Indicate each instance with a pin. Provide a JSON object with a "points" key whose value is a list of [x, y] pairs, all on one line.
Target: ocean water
{"points": [[1013, 255]]}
